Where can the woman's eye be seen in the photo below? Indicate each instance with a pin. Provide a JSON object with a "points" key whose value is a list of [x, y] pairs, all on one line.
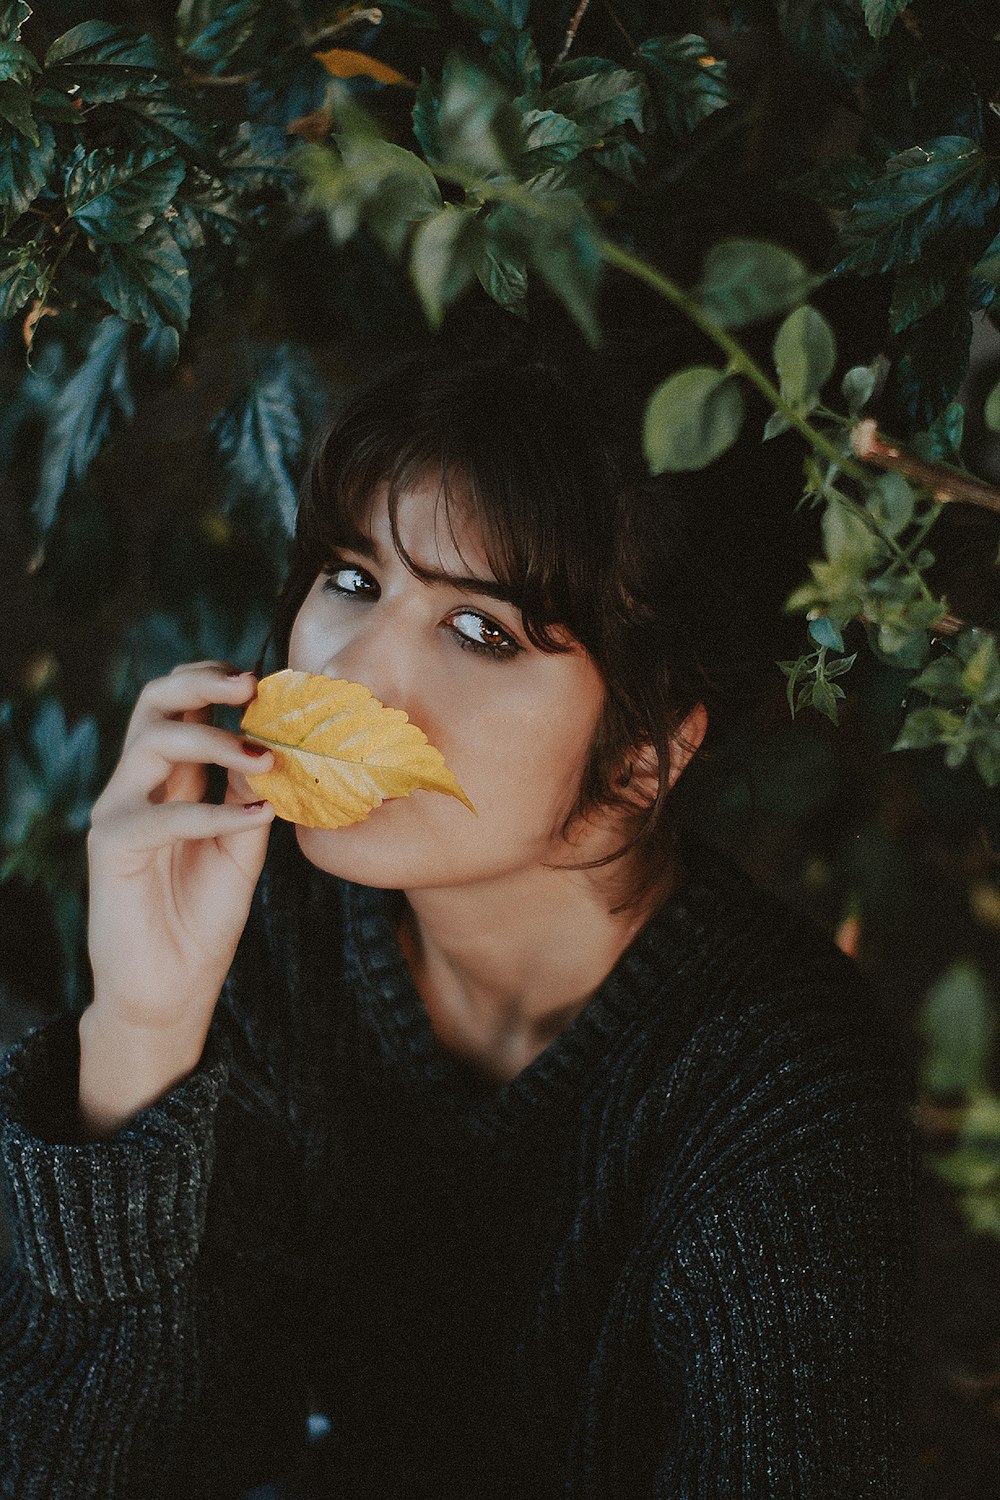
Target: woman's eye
{"points": [[341, 578], [475, 632]]}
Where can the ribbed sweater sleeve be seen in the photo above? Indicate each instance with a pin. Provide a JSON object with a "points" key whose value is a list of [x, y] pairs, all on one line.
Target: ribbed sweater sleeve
{"points": [[133, 1335], [780, 1294]]}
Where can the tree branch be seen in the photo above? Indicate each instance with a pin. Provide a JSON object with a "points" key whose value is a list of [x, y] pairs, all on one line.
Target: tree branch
{"points": [[571, 32], [943, 482]]}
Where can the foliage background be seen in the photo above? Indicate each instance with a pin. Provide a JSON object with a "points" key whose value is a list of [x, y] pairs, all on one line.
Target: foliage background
{"points": [[150, 451]]}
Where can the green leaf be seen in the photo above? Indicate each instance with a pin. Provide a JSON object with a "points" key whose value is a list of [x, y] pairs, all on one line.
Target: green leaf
{"points": [[805, 354], [991, 411], [890, 503], [502, 26], [949, 183], [425, 118], [20, 276], [836, 184], [925, 727], [105, 62], [599, 102], [15, 108], [692, 418], [744, 280], [691, 83], [12, 18], [255, 159], [981, 675], [16, 62], [24, 171], [847, 537], [880, 14], [919, 289], [148, 281], [261, 437], [80, 416], [502, 271], [165, 120], [235, 37], [825, 632], [444, 257], [478, 128], [957, 1022], [563, 249], [858, 387], [115, 198], [942, 679]]}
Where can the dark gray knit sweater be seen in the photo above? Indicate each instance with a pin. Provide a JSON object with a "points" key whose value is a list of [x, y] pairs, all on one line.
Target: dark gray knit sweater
{"points": [[670, 1259]]}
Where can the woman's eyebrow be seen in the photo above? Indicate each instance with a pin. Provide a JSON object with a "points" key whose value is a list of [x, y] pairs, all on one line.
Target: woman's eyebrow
{"points": [[366, 546]]}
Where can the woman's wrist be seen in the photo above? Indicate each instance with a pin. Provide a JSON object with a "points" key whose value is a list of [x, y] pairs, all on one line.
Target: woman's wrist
{"points": [[124, 1069]]}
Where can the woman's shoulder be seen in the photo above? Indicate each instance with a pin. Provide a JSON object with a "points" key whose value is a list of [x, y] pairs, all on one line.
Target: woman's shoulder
{"points": [[763, 988]]}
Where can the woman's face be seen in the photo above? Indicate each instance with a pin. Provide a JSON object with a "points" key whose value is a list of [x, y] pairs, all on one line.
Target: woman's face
{"points": [[513, 723]]}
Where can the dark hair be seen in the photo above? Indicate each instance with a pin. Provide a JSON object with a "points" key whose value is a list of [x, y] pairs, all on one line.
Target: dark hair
{"points": [[547, 453]]}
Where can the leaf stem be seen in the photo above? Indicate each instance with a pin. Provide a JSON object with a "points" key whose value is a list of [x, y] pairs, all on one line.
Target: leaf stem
{"points": [[739, 361]]}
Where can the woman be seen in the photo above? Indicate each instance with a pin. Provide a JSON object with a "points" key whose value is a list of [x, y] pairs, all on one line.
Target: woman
{"points": [[533, 1153]]}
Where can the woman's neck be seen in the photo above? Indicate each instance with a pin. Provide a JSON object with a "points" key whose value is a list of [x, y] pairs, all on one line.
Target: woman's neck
{"points": [[502, 972]]}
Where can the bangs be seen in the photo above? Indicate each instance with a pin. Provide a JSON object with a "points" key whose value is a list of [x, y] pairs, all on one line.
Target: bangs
{"points": [[515, 459]]}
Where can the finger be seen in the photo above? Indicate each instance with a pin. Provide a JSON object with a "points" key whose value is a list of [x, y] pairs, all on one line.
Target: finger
{"points": [[113, 844], [190, 688], [166, 745]]}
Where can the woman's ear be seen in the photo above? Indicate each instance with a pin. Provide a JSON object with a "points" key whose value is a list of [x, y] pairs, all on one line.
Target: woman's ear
{"points": [[642, 772], [686, 741]]}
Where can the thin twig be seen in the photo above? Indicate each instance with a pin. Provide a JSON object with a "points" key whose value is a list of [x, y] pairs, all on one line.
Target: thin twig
{"points": [[614, 16], [571, 32], [943, 482], [372, 14]]}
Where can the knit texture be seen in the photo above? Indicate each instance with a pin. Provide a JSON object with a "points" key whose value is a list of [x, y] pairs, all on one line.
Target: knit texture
{"points": [[671, 1259]]}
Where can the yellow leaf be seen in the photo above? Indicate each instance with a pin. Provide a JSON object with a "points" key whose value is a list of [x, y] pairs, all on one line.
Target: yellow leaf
{"points": [[338, 752], [343, 63]]}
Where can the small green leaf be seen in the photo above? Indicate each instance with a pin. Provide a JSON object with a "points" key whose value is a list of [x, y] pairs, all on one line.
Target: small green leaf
{"points": [[880, 14], [148, 281], [12, 17], [890, 503], [744, 280], [15, 108], [825, 632], [563, 249], [24, 171], [20, 276], [692, 418], [957, 1021], [16, 62], [261, 437], [690, 83], [805, 354], [80, 417], [858, 387], [446, 249], [599, 102], [925, 727]]}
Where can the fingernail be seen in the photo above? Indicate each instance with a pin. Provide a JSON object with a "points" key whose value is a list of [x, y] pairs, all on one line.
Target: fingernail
{"points": [[239, 674], [250, 749], [253, 806]]}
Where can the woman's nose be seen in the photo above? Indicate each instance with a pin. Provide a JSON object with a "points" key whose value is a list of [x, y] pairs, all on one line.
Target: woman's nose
{"points": [[379, 657]]}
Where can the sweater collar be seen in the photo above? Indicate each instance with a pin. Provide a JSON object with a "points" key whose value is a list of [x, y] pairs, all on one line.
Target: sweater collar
{"points": [[390, 1007]]}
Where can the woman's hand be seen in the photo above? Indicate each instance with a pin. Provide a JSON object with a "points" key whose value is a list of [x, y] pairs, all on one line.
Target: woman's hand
{"points": [[171, 881]]}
